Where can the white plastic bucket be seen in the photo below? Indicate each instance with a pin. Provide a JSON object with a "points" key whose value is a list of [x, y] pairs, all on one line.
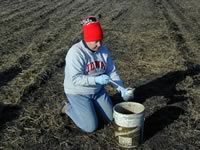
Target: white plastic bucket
{"points": [[129, 123]]}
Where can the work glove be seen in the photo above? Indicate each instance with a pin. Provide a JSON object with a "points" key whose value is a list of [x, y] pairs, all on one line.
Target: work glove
{"points": [[125, 93], [102, 79]]}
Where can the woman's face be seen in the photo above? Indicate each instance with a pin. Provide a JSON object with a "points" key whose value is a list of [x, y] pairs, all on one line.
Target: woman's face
{"points": [[94, 45]]}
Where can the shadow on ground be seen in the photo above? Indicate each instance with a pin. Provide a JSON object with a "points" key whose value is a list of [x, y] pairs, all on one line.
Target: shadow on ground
{"points": [[9, 74], [163, 86], [8, 112], [161, 119]]}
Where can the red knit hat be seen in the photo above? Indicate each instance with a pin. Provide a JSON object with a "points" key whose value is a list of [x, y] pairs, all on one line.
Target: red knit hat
{"points": [[92, 30]]}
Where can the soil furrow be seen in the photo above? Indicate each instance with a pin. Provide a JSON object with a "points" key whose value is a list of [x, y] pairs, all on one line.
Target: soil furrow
{"points": [[151, 46], [34, 15], [41, 48], [188, 22], [9, 74], [31, 20], [51, 31], [15, 10], [176, 33]]}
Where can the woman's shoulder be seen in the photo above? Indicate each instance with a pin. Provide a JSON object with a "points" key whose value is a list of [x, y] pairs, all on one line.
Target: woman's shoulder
{"points": [[76, 48]]}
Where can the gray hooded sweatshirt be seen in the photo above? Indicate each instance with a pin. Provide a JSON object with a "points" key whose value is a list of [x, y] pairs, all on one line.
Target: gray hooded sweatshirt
{"points": [[82, 66]]}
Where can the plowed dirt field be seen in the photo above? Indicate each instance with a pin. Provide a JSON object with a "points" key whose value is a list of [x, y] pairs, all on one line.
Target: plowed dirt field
{"points": [[155, 45]]}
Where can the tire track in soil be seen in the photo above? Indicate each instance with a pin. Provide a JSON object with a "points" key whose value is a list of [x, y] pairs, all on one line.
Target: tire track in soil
{"points": [[53, 35], [39, 27], [49, 39], [20, 9], [31, 7], [7, 11], [35, 14], [40, 17], [189, 23], [119, 16], [175, 32], [7, 4], [11, 72], [120, 13], [37, 30], [37, 66], [127, 18]]}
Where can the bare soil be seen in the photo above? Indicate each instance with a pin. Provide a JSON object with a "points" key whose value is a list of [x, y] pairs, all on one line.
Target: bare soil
{"points": [[154, 43]]}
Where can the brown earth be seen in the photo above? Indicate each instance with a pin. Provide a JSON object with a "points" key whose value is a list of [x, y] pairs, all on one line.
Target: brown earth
{"points": [[154, 43]]}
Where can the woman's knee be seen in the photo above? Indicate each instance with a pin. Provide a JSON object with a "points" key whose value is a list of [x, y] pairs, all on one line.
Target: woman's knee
{"points": [[89, 126]]}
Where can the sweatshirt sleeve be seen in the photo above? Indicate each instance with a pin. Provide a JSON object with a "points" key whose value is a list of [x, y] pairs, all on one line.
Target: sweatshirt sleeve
{"points": [[112, 72], [75, 67]]}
